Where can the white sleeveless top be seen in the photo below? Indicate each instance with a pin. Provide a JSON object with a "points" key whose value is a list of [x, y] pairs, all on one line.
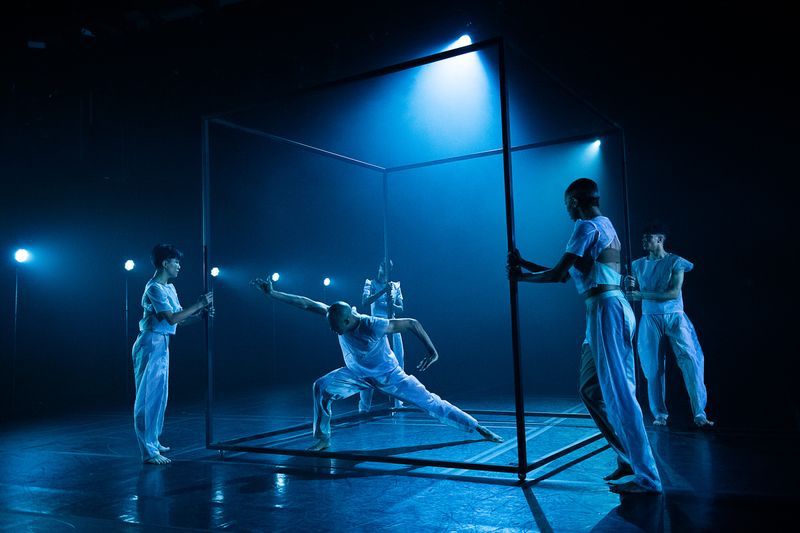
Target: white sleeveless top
{"points": [[589, 238]]}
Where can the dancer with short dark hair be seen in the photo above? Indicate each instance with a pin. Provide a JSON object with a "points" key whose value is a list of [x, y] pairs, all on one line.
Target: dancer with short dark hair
{"points": [[607, 385], [162, 314], [657, 281]]}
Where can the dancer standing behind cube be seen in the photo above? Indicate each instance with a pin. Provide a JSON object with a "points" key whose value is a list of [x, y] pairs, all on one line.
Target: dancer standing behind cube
{"points": [[659, 278], [384, 299]]}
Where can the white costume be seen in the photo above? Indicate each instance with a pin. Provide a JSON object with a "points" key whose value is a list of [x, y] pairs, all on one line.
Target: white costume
{"points": [[151, 365], [607, 383], [380, 308], [667, 319], [371, 364]]}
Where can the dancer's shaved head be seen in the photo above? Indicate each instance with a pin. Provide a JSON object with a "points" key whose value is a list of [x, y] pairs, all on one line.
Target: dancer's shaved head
{"points": [[340, 317]]}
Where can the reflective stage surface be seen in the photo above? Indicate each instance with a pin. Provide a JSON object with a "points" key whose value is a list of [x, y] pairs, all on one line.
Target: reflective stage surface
{"points": [[83, 473]]}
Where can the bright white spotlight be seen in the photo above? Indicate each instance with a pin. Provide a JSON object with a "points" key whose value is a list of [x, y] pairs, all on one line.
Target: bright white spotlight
{"points": [[22, 255], [464, 40], [129, 264], [214, 272], [592, 150], [276, 276], [326, 282]]}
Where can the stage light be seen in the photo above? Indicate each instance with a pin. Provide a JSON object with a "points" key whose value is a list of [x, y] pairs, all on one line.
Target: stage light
{"points": [[452, 102], [464, 40], [593, 149], [129, 265], [326, 282], [214, 272], [22, 255], [276, 276]]}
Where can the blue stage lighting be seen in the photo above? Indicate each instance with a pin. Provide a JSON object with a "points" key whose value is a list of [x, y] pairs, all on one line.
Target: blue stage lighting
{"points": [[214, 272], [452, 103], [276, 276], [326, 282], [593, 149], [22, 255], [129, 265], [464, 40]]}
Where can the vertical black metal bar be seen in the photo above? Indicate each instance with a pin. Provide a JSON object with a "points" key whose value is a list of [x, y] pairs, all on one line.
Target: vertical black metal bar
{"points": [[126, 335], [206, 172], [626, 199], [519, 400], [386, 228], [637, 375], [14, 349]]}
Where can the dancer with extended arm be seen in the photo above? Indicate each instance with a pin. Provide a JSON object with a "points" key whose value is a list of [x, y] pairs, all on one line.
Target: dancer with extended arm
{"points": [[371, 364]]}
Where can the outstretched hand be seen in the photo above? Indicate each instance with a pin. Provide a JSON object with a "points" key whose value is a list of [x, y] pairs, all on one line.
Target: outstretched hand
{"points": [[427, 361], [264, 286]]}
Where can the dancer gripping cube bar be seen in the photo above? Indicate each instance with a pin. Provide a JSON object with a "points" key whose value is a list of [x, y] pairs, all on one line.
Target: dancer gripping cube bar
{"points": [[607, 387], [384, 298], [371, 364], [162, 314]]}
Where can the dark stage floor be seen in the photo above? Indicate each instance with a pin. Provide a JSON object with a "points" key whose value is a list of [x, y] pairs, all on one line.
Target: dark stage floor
{"points": [[83, 473]]}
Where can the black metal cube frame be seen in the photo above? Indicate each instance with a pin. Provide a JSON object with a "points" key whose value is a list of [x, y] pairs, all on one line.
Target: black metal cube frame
{"points": [[523, 466]]}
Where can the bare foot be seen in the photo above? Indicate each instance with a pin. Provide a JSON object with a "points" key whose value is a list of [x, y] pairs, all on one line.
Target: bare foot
{"points": [[702, 422], [621, 471], [320, 445], [630, 487], [660, 421], [157, 460], [162, 448], [488, 434]]}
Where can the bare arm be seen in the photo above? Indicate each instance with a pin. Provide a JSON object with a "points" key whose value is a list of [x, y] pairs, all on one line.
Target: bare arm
{"points": [[301, 302], [204, 301], [411, 325], [672, 292], [367, 301], [198, 316], [515, 261], [557, 274]]}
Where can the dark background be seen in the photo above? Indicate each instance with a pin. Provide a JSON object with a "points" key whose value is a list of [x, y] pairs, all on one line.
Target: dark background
{"points": [[100, 159]]}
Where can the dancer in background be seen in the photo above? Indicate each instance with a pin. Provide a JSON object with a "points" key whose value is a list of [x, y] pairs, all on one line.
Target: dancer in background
{"points": [[162, 314], [384, 299], [659, 278]]}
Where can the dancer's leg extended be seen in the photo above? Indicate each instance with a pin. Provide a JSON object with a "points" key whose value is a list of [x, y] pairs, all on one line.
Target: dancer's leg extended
{"points": [[336, 385], [408, 389]]}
